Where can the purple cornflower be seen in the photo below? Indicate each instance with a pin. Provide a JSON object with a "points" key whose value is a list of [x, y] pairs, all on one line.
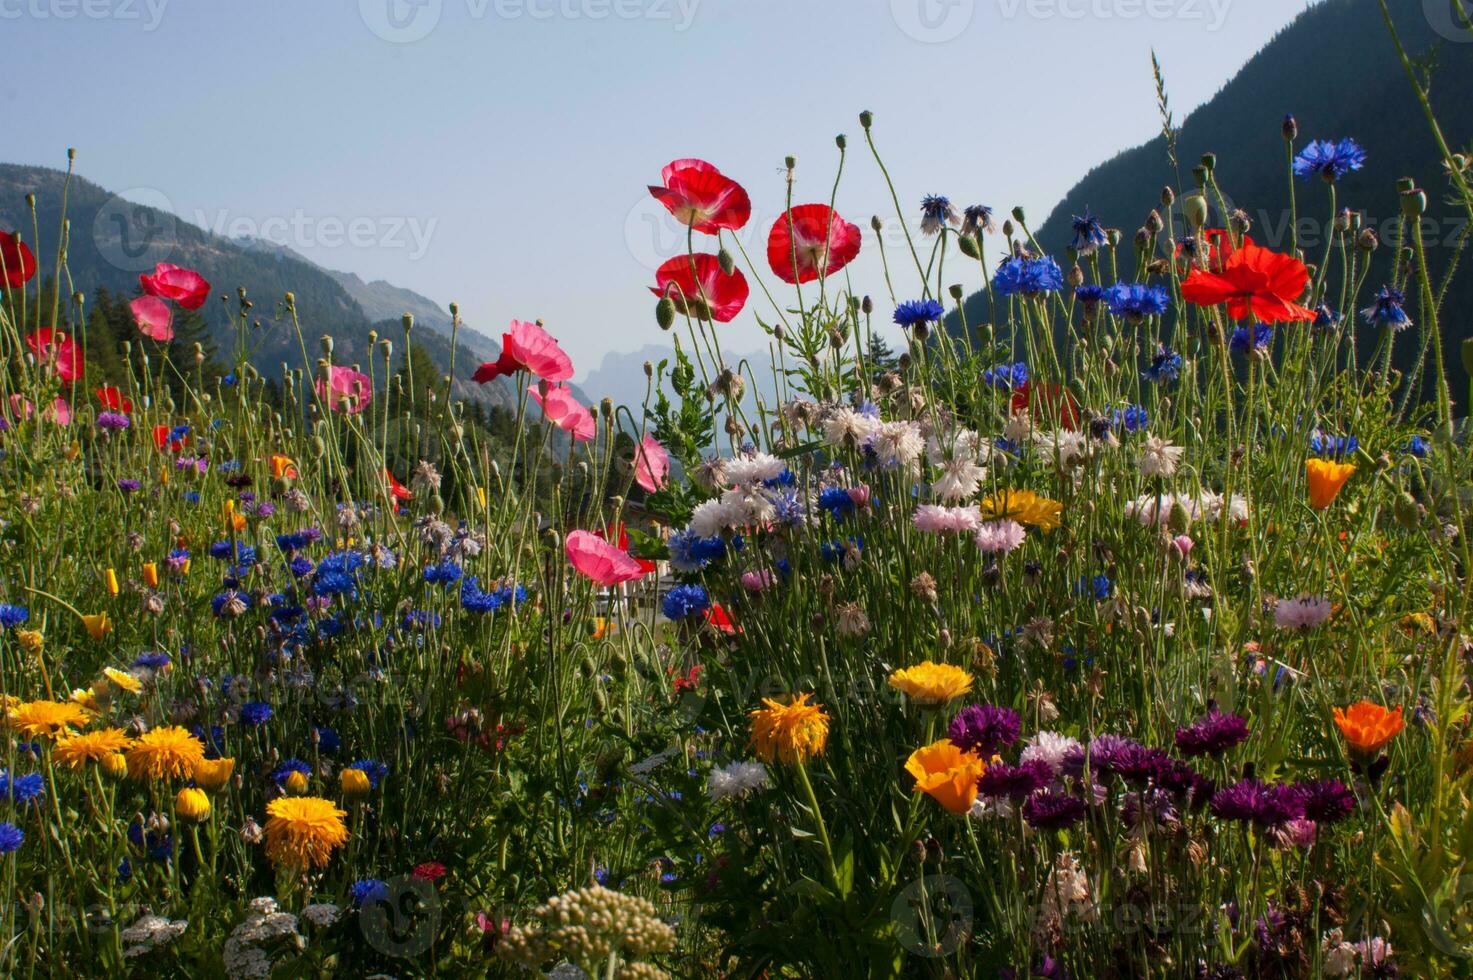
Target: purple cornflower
{"points": [[1052, 811], [1263, 805], [112, 421], [128, 486], [984, 728], [1212, 734], [1016, 782], [1326, 800]]}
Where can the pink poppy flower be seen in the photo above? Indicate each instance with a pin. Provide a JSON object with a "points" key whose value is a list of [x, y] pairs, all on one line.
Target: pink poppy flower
{"points": [[563, 410], [154, 318], [55, 347], [60, 413], [184, 286], [651, 464], [596, 559], [527, 347], [349, 388]]}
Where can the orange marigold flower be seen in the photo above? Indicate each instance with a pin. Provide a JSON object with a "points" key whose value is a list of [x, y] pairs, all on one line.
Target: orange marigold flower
{"points": [[946, 774], [303, 831], [51, 719], [1368, 727], [789, 732], [213, 773], [932, 683], [1326, 477], [1023, 506], [165, 753]]}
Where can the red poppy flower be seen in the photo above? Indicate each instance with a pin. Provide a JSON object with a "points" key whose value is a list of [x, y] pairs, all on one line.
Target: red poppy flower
{"points": [[618, 535], [429, 871], [396, 489], [688, 681], [17, 260], [163, 441], [718, 619], [1047, 404], [184, 286], [819, 240], [527, 347], [699, 195], [1218, 246], [55, 347], [114, 400], [1253, 282], [724, 294]]}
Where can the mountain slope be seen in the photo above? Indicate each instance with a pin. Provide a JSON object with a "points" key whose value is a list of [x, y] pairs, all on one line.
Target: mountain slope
{"points": [[1335, 69], [112, 240]]}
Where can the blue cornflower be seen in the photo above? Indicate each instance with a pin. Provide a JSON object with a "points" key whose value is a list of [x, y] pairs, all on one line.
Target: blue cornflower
{"points": [[284, 771], [788, 509], [977, 219], [152, 661], [1165, 366], [1028, 277], [375, 771], [367, 890], [300, 565], [1089, 235], [936, 211], [446, 573], [1418, 447], [21, 789], [223, 601], [212, 738], [255, 713], [11, 837], [1257, 337], [917, 312], [346, 562], [1387, 310], [1090, 295], [837, 550], [475, 599], [684, 601], [837, 501], [12, 616], [1325, 318], [1099, 586], [1135, 301], [289, 543], [328, 739], [191, 496], [784, 479], [332, 582], [229, 380], [1132, 418], [1008, 376], [1335, 446], [1329, 159], [689, 552]]}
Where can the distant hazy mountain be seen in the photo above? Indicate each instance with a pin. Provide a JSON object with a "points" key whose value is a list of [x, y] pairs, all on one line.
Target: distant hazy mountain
{"points": [[620, 375], [112, 240], [1335, 69]]}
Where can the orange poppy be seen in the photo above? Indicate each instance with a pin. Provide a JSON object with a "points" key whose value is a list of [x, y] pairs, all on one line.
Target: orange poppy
{"points": [[946, 774], [1326, 477], [1368, 727]]}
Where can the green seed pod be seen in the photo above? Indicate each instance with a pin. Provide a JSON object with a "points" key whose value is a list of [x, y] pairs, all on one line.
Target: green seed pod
{"points": [[727, 263], [1209, 161], [665, 313], [969, 247], [1194, 209], [1413, 203], [1019, 215], [866, 118], [1407, 511]]}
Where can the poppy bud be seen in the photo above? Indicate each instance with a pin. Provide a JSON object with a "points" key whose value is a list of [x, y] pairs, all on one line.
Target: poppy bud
{"points": [[956, 291], [865, 118], [969, 247], [110, 578], [840, 141], [1199, 177], [665, 313], [1019, 215], [151, 574], [1076, 276], [725, 261], [1209, 161], [1290, 128], [1407, 511], [1153, 222], [408, 321], [1168, 197], [649, 370], [455, 309], [1413, 203], [876, 224], [1240, 222], [867, 305]]}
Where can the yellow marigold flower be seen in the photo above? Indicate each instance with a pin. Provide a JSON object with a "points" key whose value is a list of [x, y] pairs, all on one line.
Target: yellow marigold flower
{"points": [[233, 521], [1368, 727], [303, 831], [151, 574], [98, 625], [932, 683], [110, 579], [123, 680], [946, 774], [78, 750], [354, 782], [789, 732], [49, 718], [169, 752], [1023, 506], [213, 773], [296, 783], [115, 765], [192, 804], [1326, 477], [87, 698], [31, 641]]}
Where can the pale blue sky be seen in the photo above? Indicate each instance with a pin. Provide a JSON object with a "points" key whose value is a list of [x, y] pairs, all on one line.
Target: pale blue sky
{"points": [[496, 152]]}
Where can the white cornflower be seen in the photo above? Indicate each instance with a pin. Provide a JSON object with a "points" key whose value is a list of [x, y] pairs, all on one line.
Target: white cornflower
{"points": [[1069, 449], [1159, 458], [750, 471], [1052, 748], [1019, 427], [1301, 613], [959, 479], [736, 779], [845, 428], [898, 444], [708, 519]]}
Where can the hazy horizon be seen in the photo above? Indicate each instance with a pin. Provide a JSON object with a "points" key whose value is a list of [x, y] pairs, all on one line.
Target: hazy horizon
{"points": [[496, 152]]}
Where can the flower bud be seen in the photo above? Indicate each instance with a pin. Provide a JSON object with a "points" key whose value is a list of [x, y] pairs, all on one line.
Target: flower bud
{"points": [[665, 313], [192, 804], [1154, 223], [1019, 215], [866, 118], [969, 247], [841, 142], [1290, 128], [725, 261], [1168, 197], [867, 306], [1209, 162], [1413, 203]]}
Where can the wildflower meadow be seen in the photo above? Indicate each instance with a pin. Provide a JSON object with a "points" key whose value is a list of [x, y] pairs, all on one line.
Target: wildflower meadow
{"points": [[1119, 633]]}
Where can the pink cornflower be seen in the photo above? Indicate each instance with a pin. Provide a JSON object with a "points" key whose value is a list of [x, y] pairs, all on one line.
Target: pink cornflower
{"points": [[999, 537], [935, 519]]}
